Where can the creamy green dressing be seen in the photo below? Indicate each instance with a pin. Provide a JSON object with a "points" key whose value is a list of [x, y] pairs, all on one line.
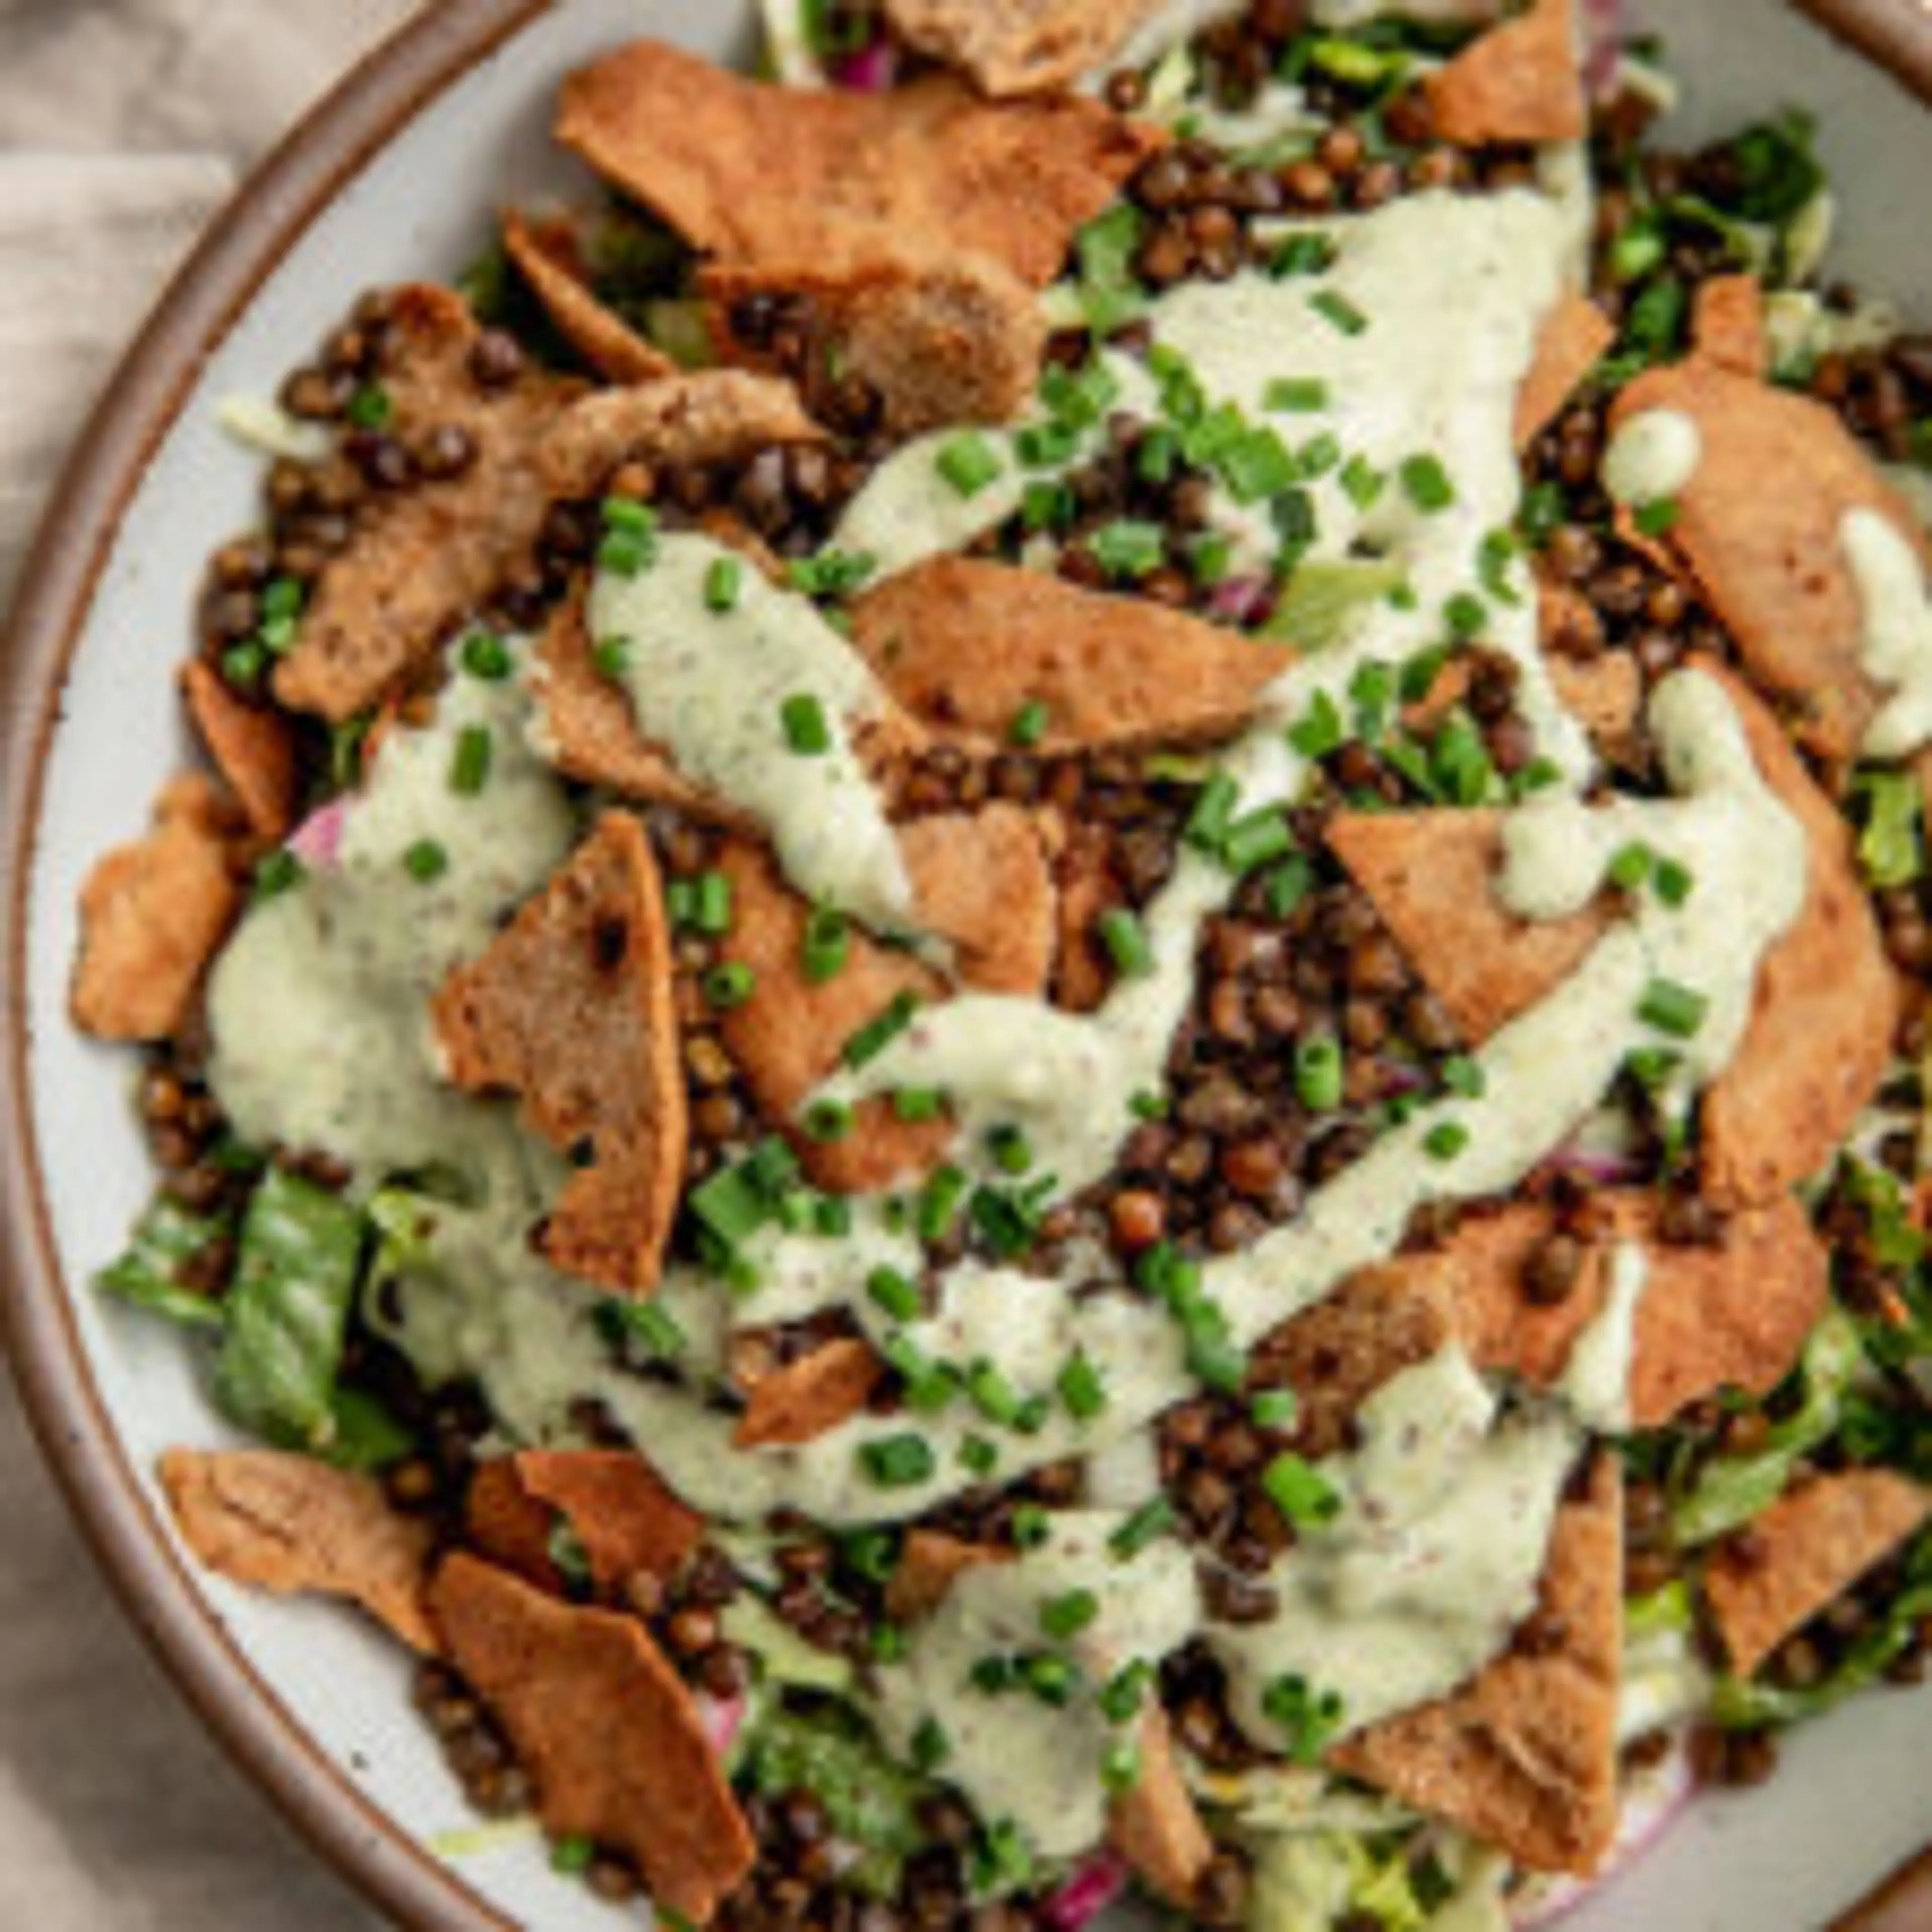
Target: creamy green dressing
{"points": [[1652, 457], [1895, 648]]}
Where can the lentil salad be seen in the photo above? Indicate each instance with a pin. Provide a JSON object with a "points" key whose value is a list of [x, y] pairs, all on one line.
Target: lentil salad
{"points": [[1037, 1185]]}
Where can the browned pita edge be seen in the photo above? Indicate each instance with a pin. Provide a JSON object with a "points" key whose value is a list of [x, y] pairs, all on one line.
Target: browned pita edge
{"points": [[705, 415], [545, 253], [1155, 1826], [937, 342], [1819, 1039], [810, 1397], [1771, 563], [611, 1736], [1735, 1315], [253, 749], [629, 1523], [424, 557], [966, 645], [1521, 81], [930, 1563], [1576, 335], [1430, 875], [1084, 874], [759, 174], [572, 1008], [292, 1525], [1777, 1574], [1526, 1756], [1018, 47], [1727, 326], [154, 913], [983, 881], [1605, 695], [788, 1037]]}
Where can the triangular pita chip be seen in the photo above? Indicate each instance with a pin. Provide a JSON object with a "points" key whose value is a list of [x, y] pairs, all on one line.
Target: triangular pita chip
{"points": [[1727, 326], [1155, 1826], [930, 1563], [808, 1398], [571, 1008], [253, 747], [984, 882], [628, 1522], [546, 254], [1521, 82], [1576, 335]]}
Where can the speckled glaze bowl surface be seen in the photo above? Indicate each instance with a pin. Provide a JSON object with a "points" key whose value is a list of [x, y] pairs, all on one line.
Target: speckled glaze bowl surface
{"points": [[397, 177]]}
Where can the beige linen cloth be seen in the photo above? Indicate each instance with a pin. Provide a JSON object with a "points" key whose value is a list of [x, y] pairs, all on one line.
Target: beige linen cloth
{"points": [[123, 124]]}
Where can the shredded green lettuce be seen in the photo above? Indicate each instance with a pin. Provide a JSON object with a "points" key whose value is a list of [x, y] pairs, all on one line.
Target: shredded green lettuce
{"points": [[787, 1659], [872, 1802], [1321, 599], [165, 1240]]}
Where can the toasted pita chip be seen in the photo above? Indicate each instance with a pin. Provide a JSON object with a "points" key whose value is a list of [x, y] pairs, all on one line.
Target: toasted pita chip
{"points": [[1521, 81], [152, 916], [1727, 324], [502, 1521], [1430, 875], [1808, 1547], [252, 748], [1770, 562], [609, 1733], [1576, 336], [571, 1008], [424, 557], [763, 175], [1605, 695], [1085, 874], [707, 415], [293, 1525], [938, 342], [628, 1522], [1018, 47], [810, 1397], [545, 253], [788, 1037], [1733, 1315], [984, 880], [929, 1564], [1155, 1826], [1820, 1036], [1526, 1756], [966, 646]]}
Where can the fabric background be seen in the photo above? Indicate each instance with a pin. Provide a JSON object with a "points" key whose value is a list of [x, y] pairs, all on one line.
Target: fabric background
{"points": [[123, 124]]}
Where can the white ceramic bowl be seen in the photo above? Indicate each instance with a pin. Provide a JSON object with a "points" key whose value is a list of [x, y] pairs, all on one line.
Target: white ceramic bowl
{"points": [[397, 177]]}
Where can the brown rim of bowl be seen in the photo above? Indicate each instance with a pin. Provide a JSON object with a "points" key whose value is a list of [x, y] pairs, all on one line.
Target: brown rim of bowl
{"points": [[208, 294]]}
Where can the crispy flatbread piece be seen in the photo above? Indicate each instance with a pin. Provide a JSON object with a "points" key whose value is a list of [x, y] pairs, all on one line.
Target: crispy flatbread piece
{"points": [[1018, 47], [1820, 1036], [292, 1525], [153, 914], [252, 748], [700, 416], [1727, 326], [1770, 562], [937, 342], [984, 881], [966, 646], [1521, 81], [610, 1733], [424, 557], [1155, 1826], [930, 1564], [546, 254], [810, 1397], [1526, 1755], [1734, 1315], [1605, 695], [1430, 875], [628, 1522], [1576, 336], [571, 1008], [762, 175], [1768, 1583]]}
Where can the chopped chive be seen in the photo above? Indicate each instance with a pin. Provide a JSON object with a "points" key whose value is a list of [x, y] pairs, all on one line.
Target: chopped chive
{"points": [[1125, 940], [832, 1218], [280, 871], [931, 1746], [1321, 730], [1256, 841], [1047, 445], [1275, 1408], [1673, 882], [1029, 725], [370, 408], [898, 1462], [1658, 517], [1144, 1527], [1214, 811], [1543, 512], [711, 905], [913, 1104], [831, 573], [627, 552], [1362, 482], [991, 1391], [729, 985], [724, 583], [1068, 1615], [1445, 1141], [1287, 885], [1465, 614], [806, 730], [1336, 309], [827, 1120], [1157, 455], [1318, 456], [1258, 466], [1031, 1526], [878, 1034], [1426, 484], [1212, 559], [978, 1456], [1631, 867], [1048, 506], [891, 1292], [485, 656], [992, 1676], [469, 765], [1213, 1356], [1121, 1767], [1289, 395], [1128, 548], [629, 517], [426, 860], [1083, 1389], [888, 1643], [827, 945], [939, 1204], [1462, 1075], [1300, 1490], [1052, 1678], [655, 1326], [1318, 1074], [571, 1858], [1119, 1699], [611, 656], [969, 463], [1010, 1150], [1306, 254], [1671, 1008], [243, 664], [1149, 1107], [1308, 1720]]}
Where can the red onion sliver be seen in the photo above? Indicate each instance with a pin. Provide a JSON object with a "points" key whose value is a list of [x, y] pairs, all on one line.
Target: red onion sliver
{"points": [[1094, 1884]]}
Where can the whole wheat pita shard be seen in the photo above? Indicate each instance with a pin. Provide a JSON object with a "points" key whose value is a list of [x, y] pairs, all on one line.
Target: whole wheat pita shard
{"points": [[571, 1010], [1521, 81], [811, 1396], [545, 251], [1018, 46]]}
